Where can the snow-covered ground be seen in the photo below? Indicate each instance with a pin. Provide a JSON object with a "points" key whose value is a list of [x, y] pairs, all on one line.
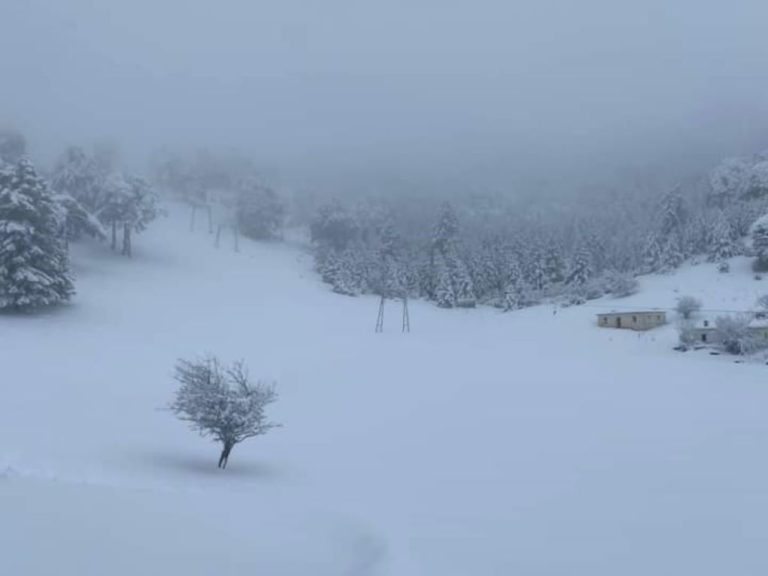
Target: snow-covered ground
{"points": [[481, 443]]}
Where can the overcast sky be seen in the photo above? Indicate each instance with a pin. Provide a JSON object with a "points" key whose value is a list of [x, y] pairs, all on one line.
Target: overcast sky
{"points": [[432, 93]]}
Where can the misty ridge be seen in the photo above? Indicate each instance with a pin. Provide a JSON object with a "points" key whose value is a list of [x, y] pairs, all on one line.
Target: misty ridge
{"points": [[459, 250]]}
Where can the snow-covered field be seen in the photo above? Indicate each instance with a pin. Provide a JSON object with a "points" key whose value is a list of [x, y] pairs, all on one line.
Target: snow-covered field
{"points": [[481, 443]]}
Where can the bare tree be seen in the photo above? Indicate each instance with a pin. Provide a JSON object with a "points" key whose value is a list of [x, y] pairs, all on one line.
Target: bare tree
{"points": [[687, 306], [219, 401]]}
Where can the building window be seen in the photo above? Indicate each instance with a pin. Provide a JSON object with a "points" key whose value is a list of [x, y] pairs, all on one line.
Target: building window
{"points": [[634, 319], [706, 323], [704, 337]]}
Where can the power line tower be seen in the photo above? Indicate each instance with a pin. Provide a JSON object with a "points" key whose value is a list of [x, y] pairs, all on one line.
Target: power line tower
{"points": [[380, 317], [406, 315]]}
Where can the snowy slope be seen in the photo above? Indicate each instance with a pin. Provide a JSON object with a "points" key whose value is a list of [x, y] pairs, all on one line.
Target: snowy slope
{"points": [[481, 443]]}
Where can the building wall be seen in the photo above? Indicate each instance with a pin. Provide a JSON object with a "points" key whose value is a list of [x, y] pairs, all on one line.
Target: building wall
{"points": [[705, 336], [711, 336], [632, 321], [761, 334]]}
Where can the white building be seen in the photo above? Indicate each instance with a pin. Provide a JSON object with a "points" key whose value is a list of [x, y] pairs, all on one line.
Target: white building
{"points": [[705, 332], [639, 320]]}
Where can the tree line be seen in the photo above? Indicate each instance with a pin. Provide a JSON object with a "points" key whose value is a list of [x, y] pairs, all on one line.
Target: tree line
{"points": [[494, 250]]}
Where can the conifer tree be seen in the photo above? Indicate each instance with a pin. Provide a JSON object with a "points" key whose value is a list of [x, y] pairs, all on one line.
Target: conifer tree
{"points": [[580, 269], [760, 241], [652, 254], [463, 286], [78, 176], [721, 242], [444, 292], [554, 269], [34, 264]]}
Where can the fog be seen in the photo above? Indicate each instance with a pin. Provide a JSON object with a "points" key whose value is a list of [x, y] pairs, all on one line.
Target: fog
{"points": [[400, 94]]}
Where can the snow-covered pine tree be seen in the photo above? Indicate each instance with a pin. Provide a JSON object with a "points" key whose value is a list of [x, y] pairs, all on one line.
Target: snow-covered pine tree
{"points": [[452, 279], [554, 266], [333, 226], [652, 254], [142, 207], [446, 232], [759, 237], [78, 176], [697, 234], [672, 214], [444, 292], [721, 245], [389, 271], [487, 271], [514, 289], [462, 284], [536, 274], [728, 181], [672, 255], [131, 204], [665, 250], [34, 264], [580, 269], [758, 181]]}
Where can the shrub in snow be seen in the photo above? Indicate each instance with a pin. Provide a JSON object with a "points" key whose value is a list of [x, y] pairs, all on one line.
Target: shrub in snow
{"points": [[620, 284], [34, 265], [724, 267], [260, 213], [687, 306], [734, 334], [220, 401], [333, 226], [685, 331]]}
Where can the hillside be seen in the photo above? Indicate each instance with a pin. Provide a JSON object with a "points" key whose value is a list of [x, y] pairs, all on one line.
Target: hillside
{"points": [[530, 442]]}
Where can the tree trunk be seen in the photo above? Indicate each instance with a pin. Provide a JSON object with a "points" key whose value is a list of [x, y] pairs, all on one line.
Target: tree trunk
{"points": [[224, 458], [380, 317], [126, 240], [114, 236], [406, 317]]}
